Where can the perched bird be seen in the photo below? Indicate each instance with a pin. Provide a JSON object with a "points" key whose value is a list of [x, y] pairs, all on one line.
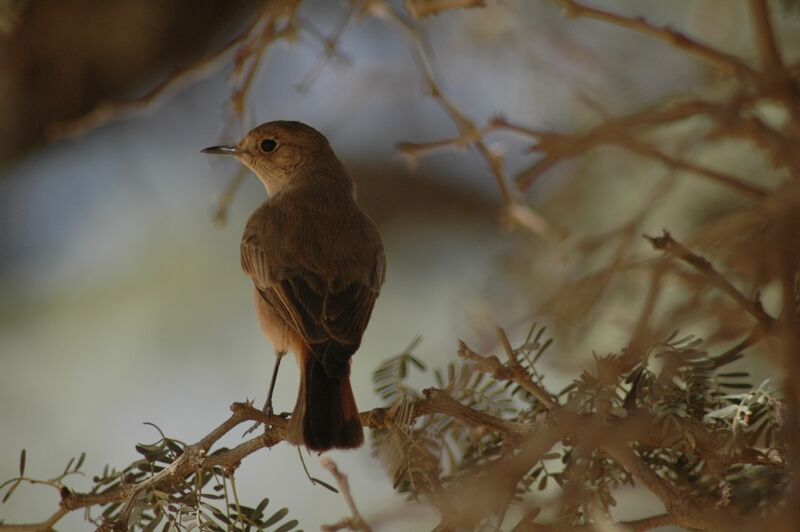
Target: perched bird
{"points": [[317, 263]]}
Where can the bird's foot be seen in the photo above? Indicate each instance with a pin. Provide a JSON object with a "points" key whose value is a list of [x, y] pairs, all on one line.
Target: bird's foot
{"points": [[268, 413]]}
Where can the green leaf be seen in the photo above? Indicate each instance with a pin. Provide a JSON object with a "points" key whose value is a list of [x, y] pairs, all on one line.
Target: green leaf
{"points": [[22, 463], [287, 526], [277, 516], [81, 458], [69, 465], [11, 490], [324, 484]]}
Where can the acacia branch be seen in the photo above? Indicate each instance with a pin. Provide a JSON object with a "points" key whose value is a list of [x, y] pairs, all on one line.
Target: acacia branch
{"points": [[668, 245], [766, 43], [742, 187], [724, 61], [245, 46], [196, 456], [355, 521], [470, 135], [513, 371]]}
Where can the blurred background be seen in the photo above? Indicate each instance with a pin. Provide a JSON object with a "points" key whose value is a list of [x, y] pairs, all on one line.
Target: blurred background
{"points": [[123, 301]]}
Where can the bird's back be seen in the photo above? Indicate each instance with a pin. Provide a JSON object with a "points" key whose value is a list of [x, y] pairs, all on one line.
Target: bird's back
{"points": [[336, 242], [320, 265]]}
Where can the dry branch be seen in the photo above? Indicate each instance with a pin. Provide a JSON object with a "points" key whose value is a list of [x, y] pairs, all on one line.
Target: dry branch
{"points": [[668, 245], [724, 61], [355, 521]]}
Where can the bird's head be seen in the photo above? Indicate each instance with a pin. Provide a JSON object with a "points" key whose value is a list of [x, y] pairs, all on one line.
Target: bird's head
{"points": [[285, 154]]}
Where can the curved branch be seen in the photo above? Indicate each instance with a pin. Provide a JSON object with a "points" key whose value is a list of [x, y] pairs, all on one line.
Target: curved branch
{"points": [[674, 38]]}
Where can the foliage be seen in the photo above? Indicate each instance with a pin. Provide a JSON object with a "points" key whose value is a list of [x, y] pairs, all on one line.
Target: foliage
{"points": [[205, 499], [709, 441]]}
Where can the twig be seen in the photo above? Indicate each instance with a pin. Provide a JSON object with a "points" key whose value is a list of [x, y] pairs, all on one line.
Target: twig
{"points": [[722, 60], [512, 371], [447, 405], [648, 523], [622, 453], [355, 521], [44, 526], [471, 135], [111, 111], [557, 147], [330, 49], [766, 44], [224, 200], [197, 456], [668, 245], [427, 8], [742, 187]]}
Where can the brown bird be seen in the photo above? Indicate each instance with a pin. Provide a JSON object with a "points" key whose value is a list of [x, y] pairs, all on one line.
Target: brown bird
{"points": [[317, 263]]}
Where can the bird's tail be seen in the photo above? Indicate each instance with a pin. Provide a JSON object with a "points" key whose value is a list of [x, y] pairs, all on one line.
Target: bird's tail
{"points": [[325, 416]]}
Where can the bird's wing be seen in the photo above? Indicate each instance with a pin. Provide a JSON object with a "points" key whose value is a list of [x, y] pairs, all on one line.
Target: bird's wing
{"points": [[321, 312]]}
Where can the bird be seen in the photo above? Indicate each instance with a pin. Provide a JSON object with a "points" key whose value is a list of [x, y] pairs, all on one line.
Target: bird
{"points": [[317, 264]]}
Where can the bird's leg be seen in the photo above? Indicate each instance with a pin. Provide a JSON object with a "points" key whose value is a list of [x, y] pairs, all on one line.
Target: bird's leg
{"points": [[268, 405]]}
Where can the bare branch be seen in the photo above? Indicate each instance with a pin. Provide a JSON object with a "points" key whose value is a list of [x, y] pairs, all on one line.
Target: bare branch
{"points": [[742, 187], [724, 61], [766, 44], [668, 245], [355, 521], [428, 8]]}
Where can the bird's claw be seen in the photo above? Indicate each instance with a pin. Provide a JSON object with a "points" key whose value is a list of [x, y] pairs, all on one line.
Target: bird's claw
{"points": [[268, 413]]}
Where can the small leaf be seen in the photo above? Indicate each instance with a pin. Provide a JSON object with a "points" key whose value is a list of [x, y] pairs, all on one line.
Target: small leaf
{"points": [[22, 463], [11, 490], [69, 465], [324, 484], [81, 458], [287, 526], [277, 516], [723, 412], [736, 385]]}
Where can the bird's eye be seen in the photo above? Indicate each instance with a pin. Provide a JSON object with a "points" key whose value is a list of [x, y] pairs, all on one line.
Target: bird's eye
{"points": [[268, 145]]}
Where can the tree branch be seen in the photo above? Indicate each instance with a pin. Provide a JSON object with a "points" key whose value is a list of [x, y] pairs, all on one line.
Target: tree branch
{"points": [[355, 521], [724, 61], [766, 44], [668, 245], [513, 371]]}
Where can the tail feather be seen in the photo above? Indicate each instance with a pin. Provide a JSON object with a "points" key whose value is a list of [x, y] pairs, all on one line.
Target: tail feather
{"points": [[325, 416]]}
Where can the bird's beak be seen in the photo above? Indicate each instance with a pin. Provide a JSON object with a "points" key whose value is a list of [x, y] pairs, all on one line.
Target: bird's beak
{"points": [[223, 150]]}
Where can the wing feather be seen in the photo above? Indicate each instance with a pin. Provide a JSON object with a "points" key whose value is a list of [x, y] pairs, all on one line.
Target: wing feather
{"points": [[330, 314]]}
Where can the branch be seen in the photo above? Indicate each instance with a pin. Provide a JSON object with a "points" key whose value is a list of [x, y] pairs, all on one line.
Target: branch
{"points": [[107, 112], [355, 521], [471, 135], [557, 147], [668, 245], [765, 37], [196, 456], [427, 8], [752, 191], [724, 61], [44, 526], [512, 371], [622, 453]]}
